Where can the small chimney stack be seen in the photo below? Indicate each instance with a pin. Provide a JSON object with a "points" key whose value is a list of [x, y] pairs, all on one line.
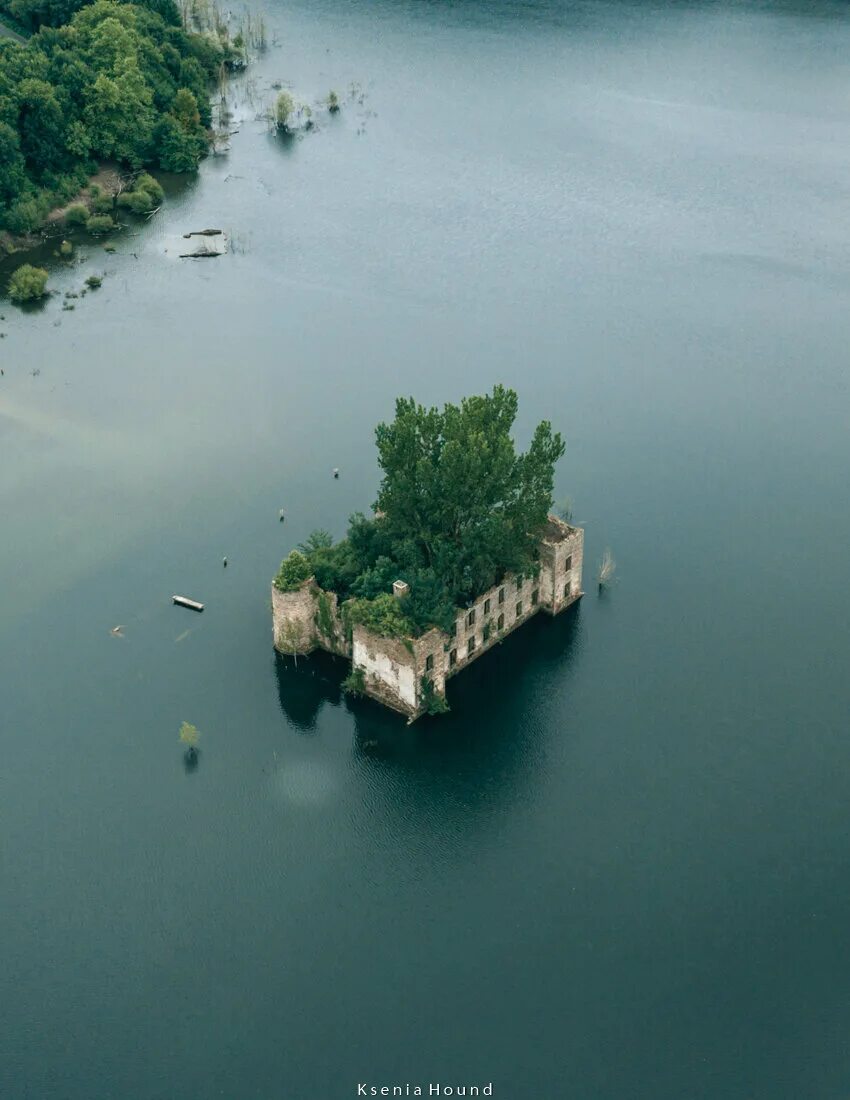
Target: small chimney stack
{"points": [[400, 588]]}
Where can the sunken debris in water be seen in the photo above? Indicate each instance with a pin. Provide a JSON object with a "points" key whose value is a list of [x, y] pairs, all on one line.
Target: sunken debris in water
{"points": [[204, 243]]}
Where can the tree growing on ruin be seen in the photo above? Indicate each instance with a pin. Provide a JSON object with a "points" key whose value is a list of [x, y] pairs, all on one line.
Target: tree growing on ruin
{"points": [[457, 493], [458, 507]]}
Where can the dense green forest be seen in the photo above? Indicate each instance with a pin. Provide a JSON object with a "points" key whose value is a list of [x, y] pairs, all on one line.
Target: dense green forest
{"points": [[457, 509], [105, 80]]}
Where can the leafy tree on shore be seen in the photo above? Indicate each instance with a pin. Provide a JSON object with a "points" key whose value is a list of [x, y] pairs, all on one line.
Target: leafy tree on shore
{"points": [[99, 80], [13, 178]]}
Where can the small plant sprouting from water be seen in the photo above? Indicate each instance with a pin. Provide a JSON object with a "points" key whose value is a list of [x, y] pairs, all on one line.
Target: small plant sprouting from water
{"points": [[284, 110], [290, 115], [607, 568], [94, 282], [333, 102], [189, 736]]}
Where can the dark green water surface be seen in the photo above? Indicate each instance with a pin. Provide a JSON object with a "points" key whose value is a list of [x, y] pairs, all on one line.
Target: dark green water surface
{"points": [[619, 868]]}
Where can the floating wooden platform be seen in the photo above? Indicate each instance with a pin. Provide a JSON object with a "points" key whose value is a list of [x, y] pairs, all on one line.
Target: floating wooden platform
{"points": [[184, 601]]}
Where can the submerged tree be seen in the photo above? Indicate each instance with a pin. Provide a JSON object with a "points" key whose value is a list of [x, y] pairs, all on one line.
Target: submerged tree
{"points": [[189, 736], [28, 283], [605, 573], [284, 109]]}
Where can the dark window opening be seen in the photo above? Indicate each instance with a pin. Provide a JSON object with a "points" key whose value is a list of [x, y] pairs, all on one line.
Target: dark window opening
{"points": [[535, 595], [452, 658], [429, 662], [501, 622], [519, 609], [471, 646]]}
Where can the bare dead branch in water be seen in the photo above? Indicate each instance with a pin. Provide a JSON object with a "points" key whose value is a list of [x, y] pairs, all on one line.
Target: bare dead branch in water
{"points": [[605, 573]]}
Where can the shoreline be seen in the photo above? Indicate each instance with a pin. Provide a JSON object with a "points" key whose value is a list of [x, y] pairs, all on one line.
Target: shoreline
{"points": [[108, 177]]}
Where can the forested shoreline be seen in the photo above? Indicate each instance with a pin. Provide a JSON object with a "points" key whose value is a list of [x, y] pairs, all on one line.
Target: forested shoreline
{"points": [[124, 82]]}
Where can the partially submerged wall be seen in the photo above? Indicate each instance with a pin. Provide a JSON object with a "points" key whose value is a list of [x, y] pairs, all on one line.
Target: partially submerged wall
{"points": [[306, 619], [561, 560], [330, 629], [389, 668], [394, 669], [293, 616]]}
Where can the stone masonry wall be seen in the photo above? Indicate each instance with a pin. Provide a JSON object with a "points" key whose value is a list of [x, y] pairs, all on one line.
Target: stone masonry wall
{"points": [[389, 669], [297, 619], [493, 615], [561, 567], [293, 623], [393, 668], [330, 630]]}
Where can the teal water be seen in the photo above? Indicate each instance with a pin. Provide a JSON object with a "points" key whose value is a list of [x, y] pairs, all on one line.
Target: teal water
{"points": [[619, 867]]}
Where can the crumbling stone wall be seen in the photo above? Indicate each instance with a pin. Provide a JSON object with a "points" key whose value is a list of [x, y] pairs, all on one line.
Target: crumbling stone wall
{"points": [[389, 669], [293, 619], [330, 629], [561, 560], [308, 618], [393, 668]]}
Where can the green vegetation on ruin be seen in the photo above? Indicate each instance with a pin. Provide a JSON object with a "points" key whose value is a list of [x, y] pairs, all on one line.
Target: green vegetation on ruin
{"points": [[294, 570], [458, 507]]}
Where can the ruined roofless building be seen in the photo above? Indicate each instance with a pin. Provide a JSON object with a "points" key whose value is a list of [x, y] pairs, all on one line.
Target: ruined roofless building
{"points": [[402, 672]]}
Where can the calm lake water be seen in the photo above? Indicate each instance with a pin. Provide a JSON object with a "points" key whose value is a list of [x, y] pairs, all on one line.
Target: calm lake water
{"points": [[619, 868]]}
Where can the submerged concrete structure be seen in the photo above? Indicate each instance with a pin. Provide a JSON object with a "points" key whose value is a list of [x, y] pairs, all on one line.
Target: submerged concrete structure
{"points": [[403, 673]]}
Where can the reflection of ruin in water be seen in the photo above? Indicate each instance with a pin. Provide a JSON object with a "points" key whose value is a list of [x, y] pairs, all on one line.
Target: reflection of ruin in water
{"points": [[479, 717], [303, 688]]}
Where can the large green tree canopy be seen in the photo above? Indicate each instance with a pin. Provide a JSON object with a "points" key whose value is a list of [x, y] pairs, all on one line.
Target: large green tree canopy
{"points": [[456, 491], [458, 507]]}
